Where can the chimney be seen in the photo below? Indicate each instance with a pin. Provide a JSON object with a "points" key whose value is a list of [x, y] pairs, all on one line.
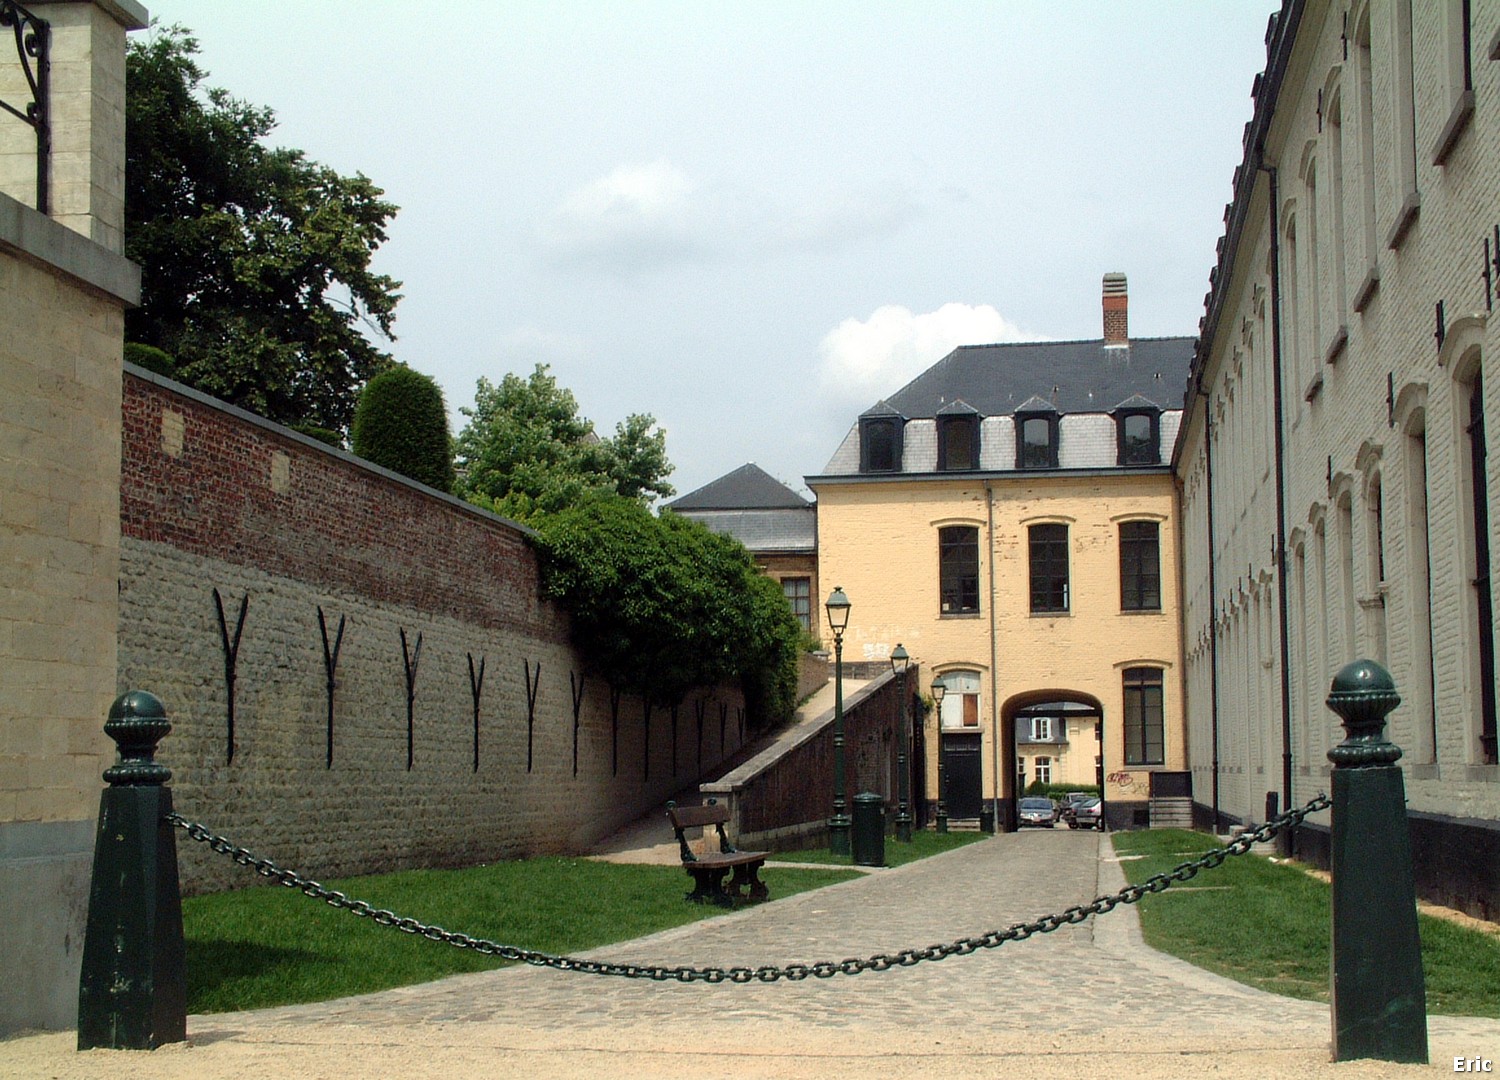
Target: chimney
{"points": [[1116, 312]]}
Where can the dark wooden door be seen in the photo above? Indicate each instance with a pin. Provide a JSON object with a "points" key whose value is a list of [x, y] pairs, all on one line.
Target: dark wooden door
{"points": [[963, 774]]}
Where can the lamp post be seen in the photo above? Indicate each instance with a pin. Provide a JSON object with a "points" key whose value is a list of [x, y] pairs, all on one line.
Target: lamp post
{"points": [[900, 662], [837, 607], [939, 688]]}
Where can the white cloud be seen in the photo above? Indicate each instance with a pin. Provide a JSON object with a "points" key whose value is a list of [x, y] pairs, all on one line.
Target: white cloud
{"points": [[633, 217], [647, 216], [871, 359]]}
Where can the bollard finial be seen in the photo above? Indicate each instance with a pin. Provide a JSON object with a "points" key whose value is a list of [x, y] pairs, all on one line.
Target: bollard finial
{"points": [[1363, 693], [137, 722]]}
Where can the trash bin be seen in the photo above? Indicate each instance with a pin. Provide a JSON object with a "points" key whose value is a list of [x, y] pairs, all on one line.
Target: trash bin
{"points": [[868, 841], [987, 819]]}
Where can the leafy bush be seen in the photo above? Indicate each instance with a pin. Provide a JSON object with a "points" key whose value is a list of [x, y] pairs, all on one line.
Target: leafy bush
{"points": [[661, 605], [401, 423], [154, 360], [322, 434]]}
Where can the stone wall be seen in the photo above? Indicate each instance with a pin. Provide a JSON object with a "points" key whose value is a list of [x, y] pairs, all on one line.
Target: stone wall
{"points": [[214, 499], [63, 288]]}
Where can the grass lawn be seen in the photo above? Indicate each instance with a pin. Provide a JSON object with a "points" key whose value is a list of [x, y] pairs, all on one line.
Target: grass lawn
{"points": [[263, 946], [1267, 924], [924, 842]]}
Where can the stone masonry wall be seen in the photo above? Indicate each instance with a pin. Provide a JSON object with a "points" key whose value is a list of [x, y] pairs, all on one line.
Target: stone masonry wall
{"points": [[216, 499]]}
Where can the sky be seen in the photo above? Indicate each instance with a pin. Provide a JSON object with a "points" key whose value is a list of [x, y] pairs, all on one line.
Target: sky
{"points": [[754, 220]]}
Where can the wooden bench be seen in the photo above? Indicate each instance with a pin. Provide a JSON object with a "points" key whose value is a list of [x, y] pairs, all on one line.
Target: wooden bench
{"points": [[709, 869]]}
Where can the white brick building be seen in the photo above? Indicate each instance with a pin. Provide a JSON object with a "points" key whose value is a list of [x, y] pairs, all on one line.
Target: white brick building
{"points": [[1354, 289]]}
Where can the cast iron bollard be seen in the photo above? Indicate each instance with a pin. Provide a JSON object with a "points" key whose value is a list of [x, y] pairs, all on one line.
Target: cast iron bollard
{"points": [[132, 994], [1379, 999]]}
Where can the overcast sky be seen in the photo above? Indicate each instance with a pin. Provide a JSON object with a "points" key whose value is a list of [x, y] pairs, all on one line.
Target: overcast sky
{"points": [[754, 220]]}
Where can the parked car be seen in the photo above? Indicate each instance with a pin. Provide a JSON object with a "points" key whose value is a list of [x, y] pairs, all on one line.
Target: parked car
{"points": [[1086, 814], [1072, 799], [1038, 811]]}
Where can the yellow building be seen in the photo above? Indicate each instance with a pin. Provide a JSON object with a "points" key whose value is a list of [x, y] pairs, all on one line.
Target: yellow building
{"points": [[1010, 518]]}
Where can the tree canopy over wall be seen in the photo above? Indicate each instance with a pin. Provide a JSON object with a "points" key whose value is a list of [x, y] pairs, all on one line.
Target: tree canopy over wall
{"points": [[255, 261]]}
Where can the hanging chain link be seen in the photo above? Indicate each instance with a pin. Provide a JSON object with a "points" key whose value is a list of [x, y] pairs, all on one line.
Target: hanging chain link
{"points": [[822, 969]]}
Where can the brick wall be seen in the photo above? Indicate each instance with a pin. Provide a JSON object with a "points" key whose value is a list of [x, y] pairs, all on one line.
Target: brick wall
{"points": [[215, 499]]}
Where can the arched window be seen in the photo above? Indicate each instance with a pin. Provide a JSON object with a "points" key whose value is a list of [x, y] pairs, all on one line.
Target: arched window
{"points": [[1145, 717], [958, 569]]}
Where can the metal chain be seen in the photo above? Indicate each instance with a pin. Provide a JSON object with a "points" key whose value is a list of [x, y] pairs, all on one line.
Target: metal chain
{"points": [[822, 969]]}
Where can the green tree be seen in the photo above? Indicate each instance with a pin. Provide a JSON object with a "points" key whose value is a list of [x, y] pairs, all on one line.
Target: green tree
{"points": [[255, 261], [401, 423], [526, 451], [661, 605]]}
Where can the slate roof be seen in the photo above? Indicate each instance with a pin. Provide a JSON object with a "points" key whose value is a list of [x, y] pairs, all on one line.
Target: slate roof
{"points": [[1074, 376], [785, 531], [747, 488]]}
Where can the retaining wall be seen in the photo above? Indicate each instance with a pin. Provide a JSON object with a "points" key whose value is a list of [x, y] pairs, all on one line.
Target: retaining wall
{"points": [[783, 797], [214, 500]]}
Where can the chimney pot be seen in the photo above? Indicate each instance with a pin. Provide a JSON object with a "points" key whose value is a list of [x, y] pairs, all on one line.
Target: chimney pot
{"points": [[1116, 311]]}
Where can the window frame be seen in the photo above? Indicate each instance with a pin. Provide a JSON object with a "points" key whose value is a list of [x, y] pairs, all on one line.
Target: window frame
{"points": [[1041, 729], [1133, 575], [1152, 455], [895, 425], [1144, 715], [1048, 586], [803, 616], [946, 424], [1051, 419], [954, 579]]}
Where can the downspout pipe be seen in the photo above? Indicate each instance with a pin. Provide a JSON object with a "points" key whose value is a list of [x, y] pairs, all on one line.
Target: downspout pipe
{"points": [[1213, 597], [1279, 443], [1002, 823]]}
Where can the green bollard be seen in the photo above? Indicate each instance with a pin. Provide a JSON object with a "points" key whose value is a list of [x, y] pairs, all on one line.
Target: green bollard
{"points": [[1379, 999], [132, 994]]}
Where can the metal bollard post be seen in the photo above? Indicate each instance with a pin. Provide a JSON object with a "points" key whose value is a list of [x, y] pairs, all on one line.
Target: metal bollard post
{"points": [[132, 994], [1379, 1000]]}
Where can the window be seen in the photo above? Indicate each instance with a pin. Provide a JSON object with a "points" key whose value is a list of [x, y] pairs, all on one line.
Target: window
{"points": [[958, 569], [1140, 566], [880, 444], [1139, 442], [1020, 774], [799, 594], [1144, 723], [1477, 525], [1049, 568], [1036, 435], [1041, 729], [958, 442], [1044, 770]]}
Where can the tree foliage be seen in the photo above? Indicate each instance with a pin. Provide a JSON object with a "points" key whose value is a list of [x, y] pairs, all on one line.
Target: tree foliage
{"points": [[255, 261], [661, 605], [401, 423], [526, 451]]}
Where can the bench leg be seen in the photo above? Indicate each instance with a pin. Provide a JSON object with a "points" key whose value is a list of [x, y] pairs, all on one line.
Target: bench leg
{"points": [[748, 877], [708, 886]]}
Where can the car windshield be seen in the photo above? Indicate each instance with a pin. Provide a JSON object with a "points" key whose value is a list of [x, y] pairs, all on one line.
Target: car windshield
{"points": [[1037, 804]]}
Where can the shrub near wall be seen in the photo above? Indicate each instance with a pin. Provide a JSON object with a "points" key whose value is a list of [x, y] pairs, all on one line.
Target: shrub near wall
{"points": [[216, 501]]}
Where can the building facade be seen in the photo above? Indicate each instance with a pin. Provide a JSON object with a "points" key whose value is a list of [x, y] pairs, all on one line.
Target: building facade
{"points": [[1333, 454], [1010, 518], [778, 526]]}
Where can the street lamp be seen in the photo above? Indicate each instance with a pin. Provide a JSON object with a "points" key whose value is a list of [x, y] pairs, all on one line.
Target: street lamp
{"points": [[837, 607], [900, 661], [939, 688]]}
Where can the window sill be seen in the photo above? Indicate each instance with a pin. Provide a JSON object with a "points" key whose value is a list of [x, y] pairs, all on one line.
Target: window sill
{"points": [[1367, 289], [1458, 123], [959, 614], [1483, 774], [1141, 611], [1405, 218], [1051, 614], [1314, 388], [1336, 345]]}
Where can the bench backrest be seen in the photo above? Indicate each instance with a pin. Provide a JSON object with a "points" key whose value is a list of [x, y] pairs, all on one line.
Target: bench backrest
{"points": [[687, 817]]}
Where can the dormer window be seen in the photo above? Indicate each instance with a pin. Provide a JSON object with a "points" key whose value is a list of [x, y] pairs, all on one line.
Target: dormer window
{"points": [[958, 438], [880, 439], [1138, 432], [1036, 435]]}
